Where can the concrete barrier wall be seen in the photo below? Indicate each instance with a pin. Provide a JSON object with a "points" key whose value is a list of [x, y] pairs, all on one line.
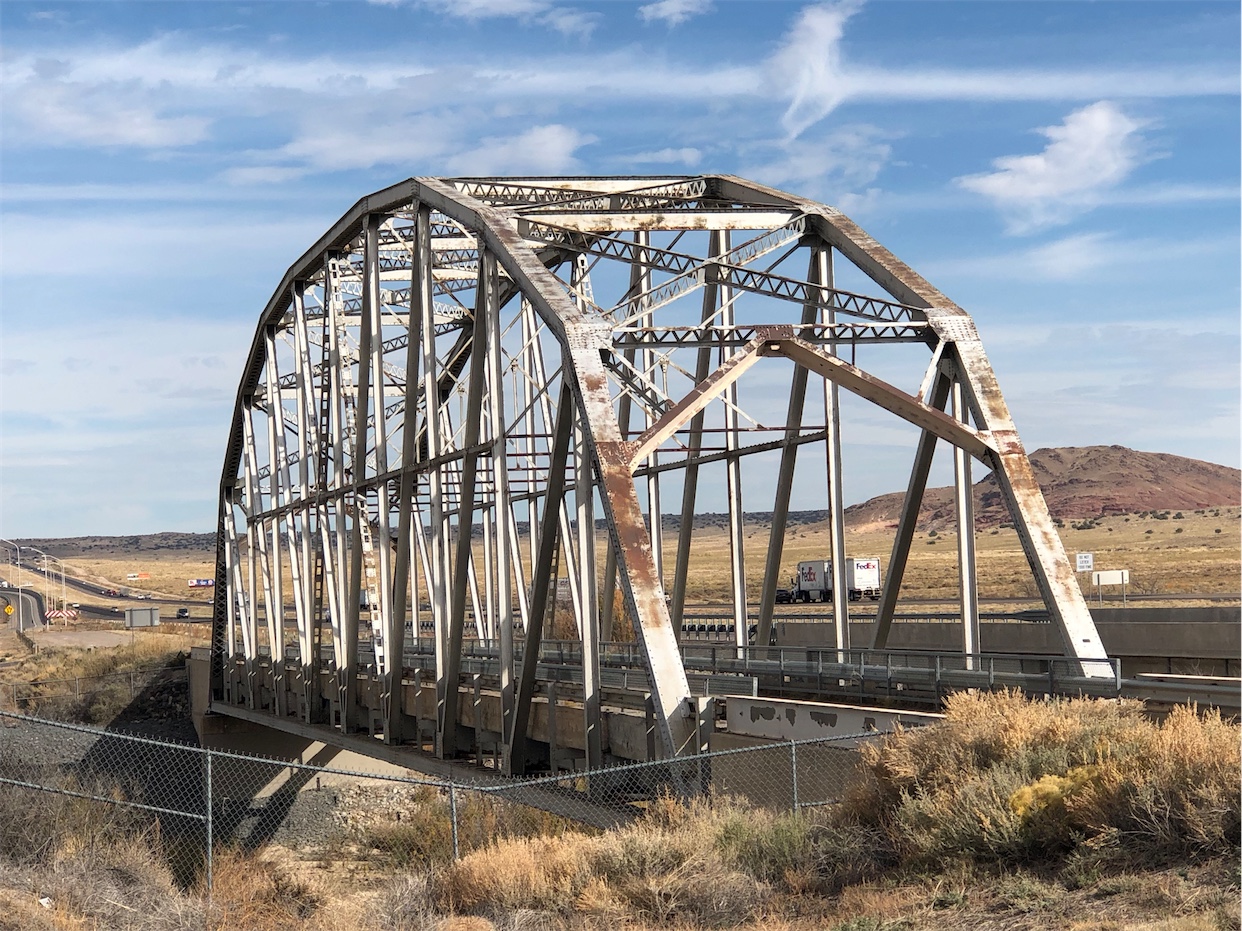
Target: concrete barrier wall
{"points": [[1146, 639]]}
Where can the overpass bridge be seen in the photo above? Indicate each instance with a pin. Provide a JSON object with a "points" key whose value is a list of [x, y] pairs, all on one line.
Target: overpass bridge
{"points": [[466, 397]]}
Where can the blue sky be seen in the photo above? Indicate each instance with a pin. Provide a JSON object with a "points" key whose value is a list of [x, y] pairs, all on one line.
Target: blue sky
{"points": [[1067, 172]]}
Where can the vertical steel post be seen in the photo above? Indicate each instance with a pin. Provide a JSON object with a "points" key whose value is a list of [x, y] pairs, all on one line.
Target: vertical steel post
{"points": [[836, 501], [405, 578], [964, 493], [348, 677], [690, 475], [383, 621], [733, 477], [785, 477], [502, 514], [584, 495], [485, 296], [541, 581], [278, 477], [300, 543]]}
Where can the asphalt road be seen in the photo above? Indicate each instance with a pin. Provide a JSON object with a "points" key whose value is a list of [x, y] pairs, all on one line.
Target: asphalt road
{"points": [[27, 610], [115, 605]]}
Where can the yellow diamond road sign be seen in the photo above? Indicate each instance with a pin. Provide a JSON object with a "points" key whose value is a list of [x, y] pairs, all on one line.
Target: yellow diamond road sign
{"points": [[8, 609]]}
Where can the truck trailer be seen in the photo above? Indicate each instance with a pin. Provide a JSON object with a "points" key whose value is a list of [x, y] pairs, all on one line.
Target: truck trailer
{"points": [[813, 581]]}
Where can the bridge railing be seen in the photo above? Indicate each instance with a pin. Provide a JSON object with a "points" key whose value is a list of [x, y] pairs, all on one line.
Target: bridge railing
{"points": [[65, 786]]}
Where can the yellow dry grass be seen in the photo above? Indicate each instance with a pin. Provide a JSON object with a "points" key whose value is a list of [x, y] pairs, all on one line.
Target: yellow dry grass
{"points": [[1176, 557], [1198, 553]]}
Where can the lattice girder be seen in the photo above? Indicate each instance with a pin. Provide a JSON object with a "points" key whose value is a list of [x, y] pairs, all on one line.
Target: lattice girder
{"points": [[450, 387]]}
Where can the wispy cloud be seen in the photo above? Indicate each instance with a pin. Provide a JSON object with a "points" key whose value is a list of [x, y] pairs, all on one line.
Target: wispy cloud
{"points": [[811, 71], [540, 150], [673, 12], [566, 20], [1080, 257], [825, 165], [69, 113], [687, 155], [1093, 150], [173, 90], [1097, 384], [810, 67]]}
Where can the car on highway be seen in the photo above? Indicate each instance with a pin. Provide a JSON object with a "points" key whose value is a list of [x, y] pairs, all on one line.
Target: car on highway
{"points": [[783, 596], [183, 612]]}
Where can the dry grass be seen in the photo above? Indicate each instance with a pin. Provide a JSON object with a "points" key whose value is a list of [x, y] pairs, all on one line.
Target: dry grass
{"points": [[1090, 790], [1165, 561], [1165, 555], [1007, 779], [168, 571], [46, 680]]}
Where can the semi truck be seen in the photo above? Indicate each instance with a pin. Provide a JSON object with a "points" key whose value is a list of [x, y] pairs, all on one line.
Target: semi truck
{"points": [[813, 581]]}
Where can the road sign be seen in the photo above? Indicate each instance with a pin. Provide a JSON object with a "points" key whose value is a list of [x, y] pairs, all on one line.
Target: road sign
{"points": [[1112, 577], [8, 609], [1086, 562]]}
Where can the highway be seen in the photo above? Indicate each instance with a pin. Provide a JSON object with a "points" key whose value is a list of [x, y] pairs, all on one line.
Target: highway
{"points": [[27, 610], [116, 604]]}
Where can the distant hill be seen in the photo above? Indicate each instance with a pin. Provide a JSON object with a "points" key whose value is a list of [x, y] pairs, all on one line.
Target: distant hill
{"points": [[133, 543], [1078, 482]]}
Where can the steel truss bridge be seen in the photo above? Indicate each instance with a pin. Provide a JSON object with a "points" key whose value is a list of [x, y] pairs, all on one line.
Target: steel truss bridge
{"points": [[462, 403]]}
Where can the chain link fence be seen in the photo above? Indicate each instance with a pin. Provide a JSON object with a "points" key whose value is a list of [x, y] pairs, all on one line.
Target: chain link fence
{"points": [[59, 779], [50, 697]]}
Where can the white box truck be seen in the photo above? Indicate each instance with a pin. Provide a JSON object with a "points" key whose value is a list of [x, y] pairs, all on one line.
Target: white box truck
{"points": [[863, 577], [814, 579]]}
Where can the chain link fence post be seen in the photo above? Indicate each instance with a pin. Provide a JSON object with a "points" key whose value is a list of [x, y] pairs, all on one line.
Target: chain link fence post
{"points": [[209, 827], [793, 766], [453, 816]]}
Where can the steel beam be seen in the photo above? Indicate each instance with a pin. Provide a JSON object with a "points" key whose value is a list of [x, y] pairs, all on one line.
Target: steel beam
{"points": [[908, 521], [542, 581], [963, 493], [311, 484]]}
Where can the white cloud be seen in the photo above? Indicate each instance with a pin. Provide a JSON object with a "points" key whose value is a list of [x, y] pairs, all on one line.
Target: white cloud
{"points": [[261, 175], [827, 166], [1096, 384], [810, 71], [673, 12], [64, 113], [1080, 257], [542, 150], [367, 138], [485, 9], [565, 20], [687, 155], [1093, 150], [571, 22], [809, 64]]}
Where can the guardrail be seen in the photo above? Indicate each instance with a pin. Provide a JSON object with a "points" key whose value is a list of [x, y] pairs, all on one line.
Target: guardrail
{"points": [[731, 670]]}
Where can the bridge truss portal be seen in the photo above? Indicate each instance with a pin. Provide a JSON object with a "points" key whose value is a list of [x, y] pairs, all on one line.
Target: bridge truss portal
{"points": [[461, 404]]}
